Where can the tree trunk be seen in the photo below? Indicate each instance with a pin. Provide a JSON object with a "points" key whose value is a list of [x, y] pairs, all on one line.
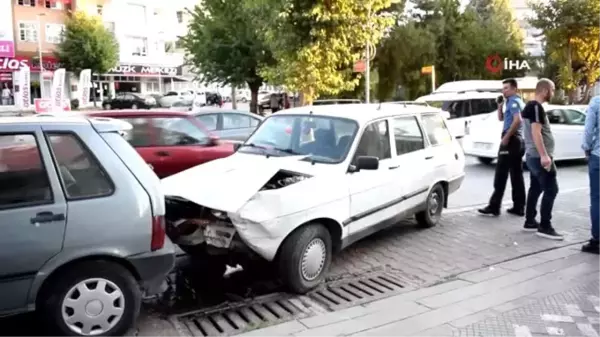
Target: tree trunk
{"points": [[254, 86], [233, 98]]}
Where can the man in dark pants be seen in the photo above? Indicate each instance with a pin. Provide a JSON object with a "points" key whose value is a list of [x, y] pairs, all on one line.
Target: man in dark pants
{"points": [[539, 150], [510, 154]]}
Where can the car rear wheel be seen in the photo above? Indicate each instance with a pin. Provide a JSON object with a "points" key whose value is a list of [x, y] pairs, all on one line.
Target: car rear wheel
{"points": [[134, 106], [485, 161], [433, 208], [305, 257], [107, 106], [91, 298]]}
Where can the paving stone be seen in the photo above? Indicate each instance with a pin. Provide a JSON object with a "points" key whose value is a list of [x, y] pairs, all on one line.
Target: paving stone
{"points": [[485, 274], [284, 329], [336, 316]]}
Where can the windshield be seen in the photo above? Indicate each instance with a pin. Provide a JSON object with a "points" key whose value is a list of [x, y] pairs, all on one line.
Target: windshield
{"points": [[322, 139]]}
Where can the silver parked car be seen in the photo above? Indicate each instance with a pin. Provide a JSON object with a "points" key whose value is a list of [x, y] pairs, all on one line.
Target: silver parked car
{"points": [[82, 220], [229, 125]]}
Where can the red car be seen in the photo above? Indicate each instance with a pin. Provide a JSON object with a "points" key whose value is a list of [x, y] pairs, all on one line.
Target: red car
{"points": [[170, 141]]}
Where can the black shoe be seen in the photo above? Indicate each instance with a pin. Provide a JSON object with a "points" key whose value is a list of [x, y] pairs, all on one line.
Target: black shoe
{"points": [[593, 246], [516, 211], [489, 211], [531, 226], [549, 233]]}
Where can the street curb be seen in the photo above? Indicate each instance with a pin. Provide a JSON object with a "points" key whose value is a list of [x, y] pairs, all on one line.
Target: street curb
{"points": [[477, 206]]}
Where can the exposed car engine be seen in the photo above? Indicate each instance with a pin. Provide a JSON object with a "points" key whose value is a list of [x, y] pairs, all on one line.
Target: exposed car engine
{"points": [[282, 179]]}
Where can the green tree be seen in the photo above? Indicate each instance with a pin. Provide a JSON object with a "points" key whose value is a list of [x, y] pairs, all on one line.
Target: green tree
{"points": [[225, 44], [87, 44], [572, 37], [316, 43]]}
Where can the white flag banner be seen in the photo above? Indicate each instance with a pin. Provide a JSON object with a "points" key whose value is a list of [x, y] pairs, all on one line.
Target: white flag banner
{"points": [[85, 83], [57, 95], [23, 97]]}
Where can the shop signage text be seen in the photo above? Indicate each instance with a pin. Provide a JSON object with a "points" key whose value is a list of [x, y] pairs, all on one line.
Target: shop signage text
{"points": [[144, 70], [43, 105], [14, 64]]}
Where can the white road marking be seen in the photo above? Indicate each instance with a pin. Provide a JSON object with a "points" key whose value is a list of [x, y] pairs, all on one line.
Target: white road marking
{"points": [[552, 331], [587, 330], [573, 310], [521, 331], [557, 318]]}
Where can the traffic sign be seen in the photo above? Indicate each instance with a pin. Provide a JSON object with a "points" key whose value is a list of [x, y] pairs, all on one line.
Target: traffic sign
{"points": [[427, 70]]}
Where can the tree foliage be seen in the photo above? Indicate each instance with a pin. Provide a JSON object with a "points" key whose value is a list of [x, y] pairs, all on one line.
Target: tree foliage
{"points": [[224, 44], [87, 44], [456, 42], [317, 42], [572, 33]]}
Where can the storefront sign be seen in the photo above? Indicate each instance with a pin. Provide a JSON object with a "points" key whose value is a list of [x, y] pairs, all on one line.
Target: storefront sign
{"points": [[24, 94], [43, 105], [136, 70], [7, 36], [8, 64], [85, 83], [57, 94]]}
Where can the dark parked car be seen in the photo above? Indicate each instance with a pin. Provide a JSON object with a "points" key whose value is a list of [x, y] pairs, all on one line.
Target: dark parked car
{"points": [[265, 103], [336, 101], [170, 141], [228, 124], [129, 100]]}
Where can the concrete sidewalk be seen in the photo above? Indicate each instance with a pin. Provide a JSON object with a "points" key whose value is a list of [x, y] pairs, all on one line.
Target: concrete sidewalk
{"points": [[549, 293]]}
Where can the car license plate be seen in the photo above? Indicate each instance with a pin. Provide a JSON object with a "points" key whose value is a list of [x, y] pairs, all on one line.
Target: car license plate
{"points": [[219, 235], [483, 146]]}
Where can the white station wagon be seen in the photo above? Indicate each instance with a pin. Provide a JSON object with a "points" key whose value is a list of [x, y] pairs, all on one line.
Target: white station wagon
{"points": [[309, 182]]}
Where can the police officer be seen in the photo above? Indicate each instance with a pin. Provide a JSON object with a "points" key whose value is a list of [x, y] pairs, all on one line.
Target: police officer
{"points": [[510, 154]]}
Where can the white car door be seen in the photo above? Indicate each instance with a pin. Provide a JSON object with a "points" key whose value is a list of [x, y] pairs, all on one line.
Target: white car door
{"points": [[412, 169], [371, 191], [442, 155], [562, 133], [575, 125]]}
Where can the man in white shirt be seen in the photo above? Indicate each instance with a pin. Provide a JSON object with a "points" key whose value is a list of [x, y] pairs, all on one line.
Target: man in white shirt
{"points": [[5, 95]]}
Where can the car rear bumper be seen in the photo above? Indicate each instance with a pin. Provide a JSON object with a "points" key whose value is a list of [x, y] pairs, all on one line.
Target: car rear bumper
{"points": [[154, 267], [455, 183]]}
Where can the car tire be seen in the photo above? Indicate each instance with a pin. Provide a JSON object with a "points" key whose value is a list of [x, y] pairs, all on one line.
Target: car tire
{"points": [[433, 207], [59, 300], [304, 258], [134, 106], [107, 106], [485, 161]]}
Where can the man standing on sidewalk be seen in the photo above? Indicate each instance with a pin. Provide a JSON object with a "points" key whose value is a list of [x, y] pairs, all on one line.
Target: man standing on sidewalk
{"points": [[510, 155], [591, 146], [539, 149]]}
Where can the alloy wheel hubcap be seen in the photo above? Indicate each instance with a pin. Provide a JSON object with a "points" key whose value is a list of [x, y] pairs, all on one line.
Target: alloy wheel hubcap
{"points": [[93, 306], [313, 259], [434, 204]]}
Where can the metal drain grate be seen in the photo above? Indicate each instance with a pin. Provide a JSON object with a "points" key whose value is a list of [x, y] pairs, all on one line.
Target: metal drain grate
{"points": [[345, 293], [241, 317]]}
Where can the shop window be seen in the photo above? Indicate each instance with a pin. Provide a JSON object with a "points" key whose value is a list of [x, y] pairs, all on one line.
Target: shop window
{"points": [[179, 17], [28, 31], [26, 3], [99, 9]]}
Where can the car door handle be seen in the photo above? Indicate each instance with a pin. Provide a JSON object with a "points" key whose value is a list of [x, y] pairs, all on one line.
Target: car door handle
{"points": [[394, 167], [428, 157], [47, 217], [162, 154]]}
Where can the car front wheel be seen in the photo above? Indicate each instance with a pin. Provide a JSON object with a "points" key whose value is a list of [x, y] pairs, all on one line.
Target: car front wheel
{"points": [[106, 106], [91, 298], [305, 257], [134, 106], [433, 208]]}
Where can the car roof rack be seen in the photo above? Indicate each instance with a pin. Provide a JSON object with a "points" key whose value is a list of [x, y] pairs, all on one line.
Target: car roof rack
{"points": [[410, 103]]}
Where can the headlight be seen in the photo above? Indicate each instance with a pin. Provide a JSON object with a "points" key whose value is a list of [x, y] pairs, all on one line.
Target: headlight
{"points": [[219, 214]]}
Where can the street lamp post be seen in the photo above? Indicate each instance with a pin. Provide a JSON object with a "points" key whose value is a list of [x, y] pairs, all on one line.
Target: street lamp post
{"points": [[41, 61]]}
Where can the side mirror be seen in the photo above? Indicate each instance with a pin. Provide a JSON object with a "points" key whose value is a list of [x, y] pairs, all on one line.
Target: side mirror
{"points": [[367, 163], [236, 146]]}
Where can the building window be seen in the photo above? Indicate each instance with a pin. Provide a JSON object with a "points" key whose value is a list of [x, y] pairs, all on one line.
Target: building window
{"points": [[28, 31], [138, 45], [179, 16], [110, 26], [179, 43], [53, 4], [136, 14], [26, 3], [99, 9], [54, 33]]}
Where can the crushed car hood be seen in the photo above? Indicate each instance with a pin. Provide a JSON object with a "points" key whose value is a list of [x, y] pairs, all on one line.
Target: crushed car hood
{"points": [[226, 184]]}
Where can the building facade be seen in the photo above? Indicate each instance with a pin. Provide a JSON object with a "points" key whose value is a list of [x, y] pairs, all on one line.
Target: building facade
{"points": [[146, 30], [533, 42]]}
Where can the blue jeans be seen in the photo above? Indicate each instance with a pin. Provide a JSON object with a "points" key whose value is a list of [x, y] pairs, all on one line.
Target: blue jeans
{"points": [[541, 181], [594, 170]]}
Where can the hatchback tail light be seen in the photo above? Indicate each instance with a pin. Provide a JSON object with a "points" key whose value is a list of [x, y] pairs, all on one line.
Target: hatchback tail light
{"points": [[158, 233]]}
